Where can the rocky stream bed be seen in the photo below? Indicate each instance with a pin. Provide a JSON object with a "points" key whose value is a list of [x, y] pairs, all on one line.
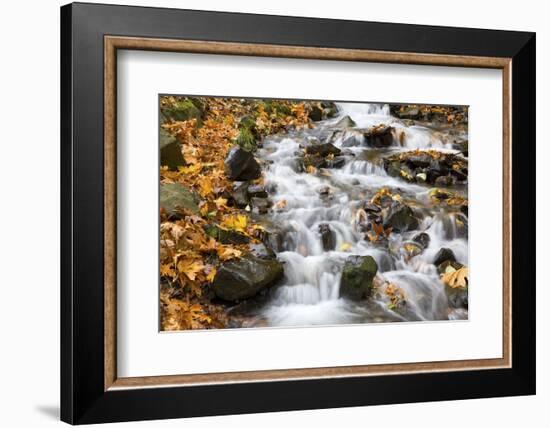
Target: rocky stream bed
{"points": [[363, 218]]}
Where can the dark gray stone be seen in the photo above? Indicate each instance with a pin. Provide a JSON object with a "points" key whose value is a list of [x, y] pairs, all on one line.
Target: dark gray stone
{"points": [[400, 218], [443, 255], [241, 165], [357, 276], [243, 278], [175, 199], [170, 151], [328, 237]]}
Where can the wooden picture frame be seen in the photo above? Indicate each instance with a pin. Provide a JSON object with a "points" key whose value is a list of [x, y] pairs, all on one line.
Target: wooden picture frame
{"points": [[91, 390]]}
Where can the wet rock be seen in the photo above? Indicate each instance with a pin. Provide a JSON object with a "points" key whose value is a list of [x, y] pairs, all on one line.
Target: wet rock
{"points": [[400, 218], [328, 237], [379, 136], [170, 151], [261, 251], [241, 165], [406, 112], [443, 255], [351, 141], [262, 205], [324, 191], [272, 237], [176, 199], [345, 122], [322, 149], [445, 180], [443, 169], [423, 239], [357, 276], [240, 194], [243, 278], [421, 160], [336, 162], [256, 191], [316, 113], [226, 236], [329, 109], [368, 207]]}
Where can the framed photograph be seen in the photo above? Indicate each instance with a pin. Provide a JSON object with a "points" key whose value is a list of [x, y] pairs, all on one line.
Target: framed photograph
{"points": [[266, 213]]}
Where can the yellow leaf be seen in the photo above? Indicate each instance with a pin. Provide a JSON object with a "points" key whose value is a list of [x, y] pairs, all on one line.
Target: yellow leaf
{"points": [[190, 267], [191, 169], [205, 187], [236, 222], [311, 169], [226, 253], [346, 246], [220, 203], [167, 270], [457, 278], [211, 275], [280, 205]]}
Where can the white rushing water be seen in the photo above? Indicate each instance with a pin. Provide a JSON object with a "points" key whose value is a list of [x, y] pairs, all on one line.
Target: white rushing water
{"points": [[309, 294]]}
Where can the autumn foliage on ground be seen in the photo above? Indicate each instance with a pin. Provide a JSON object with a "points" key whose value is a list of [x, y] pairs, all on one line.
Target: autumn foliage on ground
{"points": [[189, 256]]}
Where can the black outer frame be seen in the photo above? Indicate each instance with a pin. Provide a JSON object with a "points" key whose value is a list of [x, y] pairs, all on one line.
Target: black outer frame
{"points": [[83, 399]]}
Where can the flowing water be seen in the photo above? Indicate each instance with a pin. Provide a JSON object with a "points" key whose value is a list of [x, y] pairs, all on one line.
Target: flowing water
{"points": [[309, 294]]}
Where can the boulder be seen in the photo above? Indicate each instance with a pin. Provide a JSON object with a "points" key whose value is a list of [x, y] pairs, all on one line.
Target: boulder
{"points": [[240, 194], [185, 109], [175, 198], [400, 218], [443, 255], [272, 237], [328, 237], [336, 162], [379, 136], [322, 149], [241, 165], [261, 251], [329, 109], [243, 278], [405, 112], [371, 208], [357, 276], [170, 151], [423, 239], [316, 113], [246, 140]]}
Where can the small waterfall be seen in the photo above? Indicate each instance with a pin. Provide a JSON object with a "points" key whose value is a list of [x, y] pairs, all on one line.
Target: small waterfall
{"points": [[309, 294]]}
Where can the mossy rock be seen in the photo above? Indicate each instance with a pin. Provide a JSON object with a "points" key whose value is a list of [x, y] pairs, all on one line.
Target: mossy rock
{"points": [[175, 199], [357, 276], [170, 151], [243, 278], [246, 140], [184, 109]]}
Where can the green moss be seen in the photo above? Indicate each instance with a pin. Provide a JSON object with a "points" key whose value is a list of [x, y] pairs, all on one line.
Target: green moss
{"points": [[183, 109], [246, 140]]}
